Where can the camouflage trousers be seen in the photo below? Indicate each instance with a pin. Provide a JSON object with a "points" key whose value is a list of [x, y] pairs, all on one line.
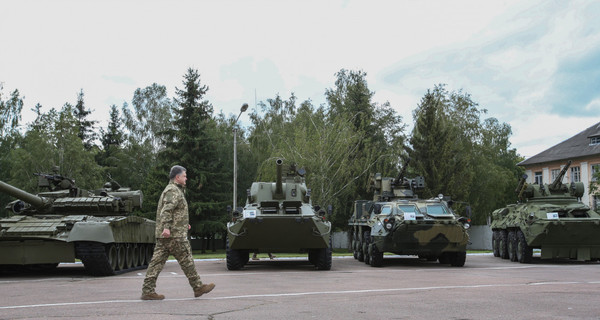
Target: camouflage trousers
{"points": [[181, 250]]}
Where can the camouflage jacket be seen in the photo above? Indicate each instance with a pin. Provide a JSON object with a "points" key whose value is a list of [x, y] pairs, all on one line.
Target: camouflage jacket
{"points": [[172, 212]]}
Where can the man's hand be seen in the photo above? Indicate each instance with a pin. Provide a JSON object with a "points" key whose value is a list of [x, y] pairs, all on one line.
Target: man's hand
{"points": [[166, 233]]}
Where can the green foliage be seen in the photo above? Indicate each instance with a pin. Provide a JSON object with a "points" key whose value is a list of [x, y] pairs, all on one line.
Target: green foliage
{"points": [[462, 156], [86, 127], [339, 146], [52, 140]]}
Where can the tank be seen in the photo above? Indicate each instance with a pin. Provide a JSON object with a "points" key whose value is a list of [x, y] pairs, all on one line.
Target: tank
{"points": [[279, 217], [397, 221], [64, 223], [548, 217]]}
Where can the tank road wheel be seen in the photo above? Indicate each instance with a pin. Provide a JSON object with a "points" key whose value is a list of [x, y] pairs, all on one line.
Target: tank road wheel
{"points": [[503, 244], [457, 259], [367, 237], [130, 257], [149, 252], [138, 254], [323, 258], [121, 256], [512, 245], [235, 259], [376, 256], [524, 252], [141, 249], [495, 243], [112, 253]]}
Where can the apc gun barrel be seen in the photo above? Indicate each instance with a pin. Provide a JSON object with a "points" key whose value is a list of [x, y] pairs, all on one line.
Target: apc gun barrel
{"points": [[278, 184], [400, 177], [557, 182], [33, 200]]}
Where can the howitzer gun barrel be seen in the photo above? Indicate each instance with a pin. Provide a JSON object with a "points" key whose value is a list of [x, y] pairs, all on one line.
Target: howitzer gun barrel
{"points": [[279, 183], [36, 201]]}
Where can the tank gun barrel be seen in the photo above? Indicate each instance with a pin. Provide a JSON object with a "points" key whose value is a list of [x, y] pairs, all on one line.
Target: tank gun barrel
{"points": [[558, 181], [279, 183], [36, 201]]}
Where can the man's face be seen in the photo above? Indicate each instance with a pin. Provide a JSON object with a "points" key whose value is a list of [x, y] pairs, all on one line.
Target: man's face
{"points": [[181, 178]]}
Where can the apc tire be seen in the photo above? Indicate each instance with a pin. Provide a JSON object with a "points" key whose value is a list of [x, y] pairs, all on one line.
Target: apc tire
{"points": [[457, 259], [503, 244], [495, 243], [512, 246], [524, 252], [444, 258], [235, 259], [324, 257], [376, 257], [367, 237], [360, 256]]}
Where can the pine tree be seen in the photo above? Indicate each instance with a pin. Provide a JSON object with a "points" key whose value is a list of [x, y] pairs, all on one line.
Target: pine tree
{"points": [[86, 127]]}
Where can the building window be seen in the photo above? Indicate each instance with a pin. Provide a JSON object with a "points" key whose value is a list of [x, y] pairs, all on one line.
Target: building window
{"points": [[538, 178], [594, 141], [554, 174], [575, 174], [595, 170]]}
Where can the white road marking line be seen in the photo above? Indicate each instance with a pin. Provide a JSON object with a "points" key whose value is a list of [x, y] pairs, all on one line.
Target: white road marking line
{"points": [[304, 294]]}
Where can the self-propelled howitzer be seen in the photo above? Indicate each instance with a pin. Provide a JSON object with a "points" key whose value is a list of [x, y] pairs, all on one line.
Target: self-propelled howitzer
{"points": [[67, 223], [279, 217], [549, 217]]}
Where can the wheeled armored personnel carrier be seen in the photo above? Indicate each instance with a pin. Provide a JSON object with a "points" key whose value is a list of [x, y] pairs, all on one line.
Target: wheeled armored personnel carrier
{"points": [[65, 223], [397, 221], [279, 217], [549, 217]]}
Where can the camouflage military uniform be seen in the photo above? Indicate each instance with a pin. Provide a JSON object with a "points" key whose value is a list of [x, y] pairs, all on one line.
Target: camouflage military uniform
{"points": [[172, 214]]}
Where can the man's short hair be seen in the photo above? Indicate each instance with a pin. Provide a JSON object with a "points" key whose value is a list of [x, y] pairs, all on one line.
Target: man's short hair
{"points": [[176, 170]]}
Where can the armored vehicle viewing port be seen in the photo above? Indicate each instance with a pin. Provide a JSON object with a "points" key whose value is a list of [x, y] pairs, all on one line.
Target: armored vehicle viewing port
{"points": [[550, 218], [66, 223], [279, 217], [397, 221]]}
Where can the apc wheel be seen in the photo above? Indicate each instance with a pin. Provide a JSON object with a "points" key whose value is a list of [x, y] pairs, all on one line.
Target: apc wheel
{"points": [[524, 252], [444, 258], [376, 256], [457, 259], [495, 243], [503, 244], [367, 237], [360, 256], [323, 258], [512, 246], [235, 259]]}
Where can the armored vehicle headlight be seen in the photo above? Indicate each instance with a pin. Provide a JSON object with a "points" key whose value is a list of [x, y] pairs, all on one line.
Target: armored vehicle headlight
{"points": [[467, 225], [389, 226]]}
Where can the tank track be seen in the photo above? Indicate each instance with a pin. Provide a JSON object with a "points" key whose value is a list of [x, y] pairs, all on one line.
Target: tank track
{"points": [[109, 259]]}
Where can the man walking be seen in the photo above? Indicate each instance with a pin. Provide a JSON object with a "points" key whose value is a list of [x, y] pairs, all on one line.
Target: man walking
{"points": [[172, 225]]}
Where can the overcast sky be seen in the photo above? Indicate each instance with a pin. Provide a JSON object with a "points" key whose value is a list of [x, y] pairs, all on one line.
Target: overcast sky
{"points": [[532, 64]]}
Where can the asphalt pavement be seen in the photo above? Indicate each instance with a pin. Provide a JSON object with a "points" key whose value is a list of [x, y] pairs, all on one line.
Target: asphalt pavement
{"points": [[404, 288]]}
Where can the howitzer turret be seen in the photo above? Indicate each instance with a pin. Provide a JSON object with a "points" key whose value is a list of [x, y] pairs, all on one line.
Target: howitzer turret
{"points": [[67, 222]]}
